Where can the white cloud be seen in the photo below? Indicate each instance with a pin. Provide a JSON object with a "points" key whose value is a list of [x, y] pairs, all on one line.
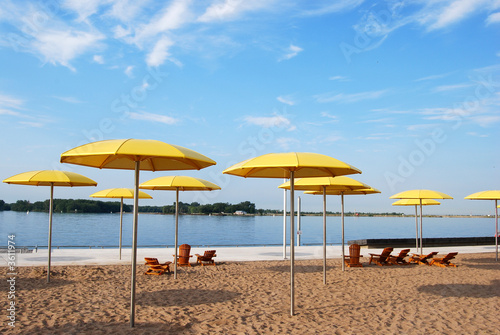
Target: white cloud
{"points": [[63, 46], [338, 78], [269, 121], [445, 88], [98, 59], [286, 100], [493, 18], [293, 51], [435, 76], [126, 10], [83, 9], [472, 133], [486, 120], [286, 142], [10, 102], [331, 7], [160, 53], [153, 117], [71, 100], [171, 17], [226, 10], [349, 98], [128, 71], [333, 118]]}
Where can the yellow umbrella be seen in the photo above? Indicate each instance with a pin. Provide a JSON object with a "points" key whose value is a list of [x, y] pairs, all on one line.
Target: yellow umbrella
{"points": [[325, 184], [420, 195], [121, 193], [290, 165], [346, 191], [50, 178], [178, 183], [135, 154], [489, 195], [415, 202]]}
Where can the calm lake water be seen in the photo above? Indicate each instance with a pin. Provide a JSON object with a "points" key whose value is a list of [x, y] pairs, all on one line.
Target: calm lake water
{"points": [[154, 230]]}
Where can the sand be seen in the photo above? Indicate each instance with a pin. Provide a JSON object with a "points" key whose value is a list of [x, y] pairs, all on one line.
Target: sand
{"points": [[254, 298]]}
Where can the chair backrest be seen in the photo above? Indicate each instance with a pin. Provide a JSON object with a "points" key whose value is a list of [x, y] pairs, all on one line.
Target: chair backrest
{"points": [[429, 256], [354, 251], [209, 254], [184, 250], [385, 254], [449, 257], [151, 261], [402, 254]]}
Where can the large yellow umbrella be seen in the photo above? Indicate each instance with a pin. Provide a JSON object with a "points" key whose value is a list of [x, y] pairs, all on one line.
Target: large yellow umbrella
{"points": [[50, 178], [291, 165], [178, 183], [136, 154], [325, 184], [120, 193], [489, 195], [415, 202], [342, 192], [421, 195]]}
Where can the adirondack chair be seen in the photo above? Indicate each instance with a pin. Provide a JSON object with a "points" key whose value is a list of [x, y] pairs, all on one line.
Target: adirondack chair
{"points": [[206, 258], [381, 259], [183, 256], [422, 259], [155, 267], [353, 259], [444, 261], [400, 259]]}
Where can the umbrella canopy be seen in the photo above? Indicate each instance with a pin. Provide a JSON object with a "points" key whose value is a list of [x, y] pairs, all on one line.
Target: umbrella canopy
{"points": [[290, 165], [415, 202], [178, 183], [489, 195], [420, 195], [347, 191], [50, 178], [324, 184], [121, 193], [136, 154]]}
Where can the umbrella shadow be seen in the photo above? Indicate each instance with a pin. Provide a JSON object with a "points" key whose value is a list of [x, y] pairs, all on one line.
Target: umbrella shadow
{"points": [[463, 290], [33, 284], [184, 297], [481, 263]]}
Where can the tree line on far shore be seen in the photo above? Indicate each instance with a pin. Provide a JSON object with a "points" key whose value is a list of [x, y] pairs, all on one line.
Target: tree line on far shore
{"points": [[97, 206]]}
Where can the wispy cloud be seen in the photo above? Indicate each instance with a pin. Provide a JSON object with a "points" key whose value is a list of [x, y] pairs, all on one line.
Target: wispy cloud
{"points": [[153, 118], [160, 53], [493, 18], [287, 99], [445, 88], [270, 121], [292, 51], [227, 10], [339, 78], [129, 71], [332, 118], [349, 98], [71, 100], [320, 8], [434, 77], [287, 142], [98, 59], [472, 133]]}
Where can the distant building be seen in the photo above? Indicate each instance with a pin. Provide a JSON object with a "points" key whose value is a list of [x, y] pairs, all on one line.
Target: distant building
{"points": [[240, 213]]}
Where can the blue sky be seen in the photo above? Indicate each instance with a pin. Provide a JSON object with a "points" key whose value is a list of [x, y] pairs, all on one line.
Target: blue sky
{"points": [[406, 91]]}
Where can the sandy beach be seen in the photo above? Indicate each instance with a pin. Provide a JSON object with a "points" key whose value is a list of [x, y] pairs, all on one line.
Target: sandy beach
{"points": [[253, 298]]}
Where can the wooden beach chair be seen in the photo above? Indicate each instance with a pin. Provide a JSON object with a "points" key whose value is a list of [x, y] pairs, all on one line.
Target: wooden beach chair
{"points": [[400, 259], [155, 267], [422, 259], [183, 256], [444, 261], [383, 258], [206, 258], [354, 254]]}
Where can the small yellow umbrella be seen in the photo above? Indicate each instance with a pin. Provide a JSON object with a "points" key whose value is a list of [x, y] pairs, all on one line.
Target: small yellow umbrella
{"points": [[420, 195], [291, 165], [415, 202], [325, 184], [342, 192], [50, 178], [489, 195], [136, 154], [178, 183], [121, 193]]}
